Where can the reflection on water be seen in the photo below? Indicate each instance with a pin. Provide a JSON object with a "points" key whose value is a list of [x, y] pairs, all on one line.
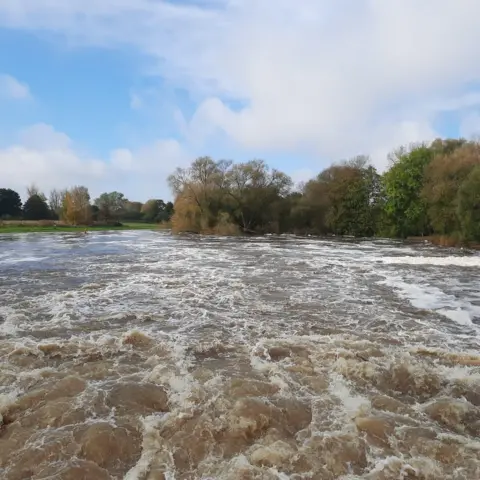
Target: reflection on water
{"points": [[139, 355]]}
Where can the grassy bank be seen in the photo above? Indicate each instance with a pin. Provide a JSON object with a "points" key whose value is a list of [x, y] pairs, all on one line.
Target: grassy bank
{"points": [[46, 227]]}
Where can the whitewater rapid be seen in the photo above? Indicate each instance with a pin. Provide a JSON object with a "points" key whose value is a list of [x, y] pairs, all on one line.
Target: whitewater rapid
{"points": [[146, 356]]}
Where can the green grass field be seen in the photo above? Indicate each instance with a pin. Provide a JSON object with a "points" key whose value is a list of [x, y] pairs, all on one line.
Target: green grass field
{"points": [[30, 227]]}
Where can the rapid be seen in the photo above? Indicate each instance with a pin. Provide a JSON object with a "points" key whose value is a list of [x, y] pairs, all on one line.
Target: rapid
{"points": [[145, 356]]}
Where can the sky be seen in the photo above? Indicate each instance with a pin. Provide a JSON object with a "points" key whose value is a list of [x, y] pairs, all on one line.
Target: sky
{"points": [[115, 94]]}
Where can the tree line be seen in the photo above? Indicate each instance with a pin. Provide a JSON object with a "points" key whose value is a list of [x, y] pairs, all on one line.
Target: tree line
{"points": [[428, 189], [74, 206]]}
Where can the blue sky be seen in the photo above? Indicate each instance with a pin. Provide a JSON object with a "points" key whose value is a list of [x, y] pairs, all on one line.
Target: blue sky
{"points": [[116, 94]]}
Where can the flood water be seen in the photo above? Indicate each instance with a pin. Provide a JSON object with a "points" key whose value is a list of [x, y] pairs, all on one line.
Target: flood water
{"points": [[140, 355]]}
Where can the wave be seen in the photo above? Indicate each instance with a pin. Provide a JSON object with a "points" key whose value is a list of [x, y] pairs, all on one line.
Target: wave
{"points": [[473, 261], [10, 261]]}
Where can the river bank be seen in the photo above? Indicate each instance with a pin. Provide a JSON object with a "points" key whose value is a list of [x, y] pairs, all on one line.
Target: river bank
{"points": [[48, 226]]}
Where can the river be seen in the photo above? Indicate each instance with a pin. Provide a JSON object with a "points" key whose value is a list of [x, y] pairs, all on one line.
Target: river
{"points": [[145, 356]]}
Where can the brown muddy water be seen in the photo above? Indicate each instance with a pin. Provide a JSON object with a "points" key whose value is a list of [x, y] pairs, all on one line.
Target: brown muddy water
{"points": [[139, 355]]}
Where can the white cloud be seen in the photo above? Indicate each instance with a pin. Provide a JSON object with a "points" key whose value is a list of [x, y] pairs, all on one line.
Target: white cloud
{"points": [[331, 77], [11, 88], [43, 137], [48, 158]]}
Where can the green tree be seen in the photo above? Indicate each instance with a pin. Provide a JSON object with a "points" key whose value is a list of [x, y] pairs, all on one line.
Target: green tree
{"points": [[156, 210], [468, 206], [309, 212], [405, 208], [165, 212], [152, 210], [254, 191], [352, 188], [110, 206], [344, 199], [132, 212], [36, 208], [290, 214], [169, 210], [429, 188], [94, 212], [10, 203]]}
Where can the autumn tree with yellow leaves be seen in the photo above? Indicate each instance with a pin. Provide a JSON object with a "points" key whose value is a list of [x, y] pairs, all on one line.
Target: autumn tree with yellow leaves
{"points": [[76, 206]]}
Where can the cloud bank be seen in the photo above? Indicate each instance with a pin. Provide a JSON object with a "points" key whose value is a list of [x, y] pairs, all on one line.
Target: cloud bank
{"points": [[50, 159], [323, 77]]}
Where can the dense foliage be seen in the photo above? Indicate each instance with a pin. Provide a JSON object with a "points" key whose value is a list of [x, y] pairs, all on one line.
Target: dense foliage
{"points": [[428, 189], [36, 208], [10, 203]]}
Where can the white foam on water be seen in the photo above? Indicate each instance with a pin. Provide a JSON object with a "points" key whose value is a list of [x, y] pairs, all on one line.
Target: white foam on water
{"points": [[150, 448], [467, 442], [429, 297], [12, 261], [400, 468], [458, 315], [354, 405], [450, 261], [7, 399], [193, 297], [8, 328]]}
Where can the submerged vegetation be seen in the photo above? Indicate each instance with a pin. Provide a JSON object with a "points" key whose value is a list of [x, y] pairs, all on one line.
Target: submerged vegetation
{"points": [[429, 189]]}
